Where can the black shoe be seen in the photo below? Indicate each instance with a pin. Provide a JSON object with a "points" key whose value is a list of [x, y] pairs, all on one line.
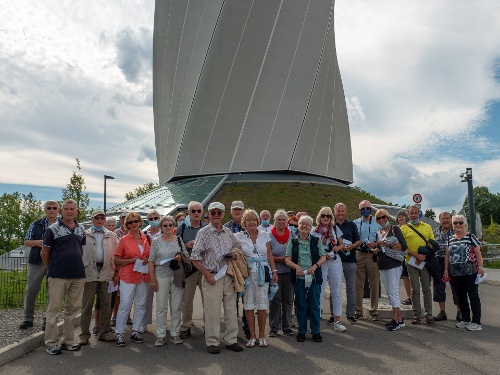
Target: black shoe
{"points": [[185, 334], [235, 347], [70, 347], [317, 337], [288, 332], [330, 321], [54, 350], [301, 337], [212, 349], [26, 324], [273, 333], [393, 326], [441, 316], [459, 316], [351, 320], [135, 337]]}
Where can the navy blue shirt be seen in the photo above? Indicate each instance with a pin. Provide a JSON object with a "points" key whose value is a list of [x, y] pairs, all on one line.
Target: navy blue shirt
{"points": [[350, 233], [65, 257]]}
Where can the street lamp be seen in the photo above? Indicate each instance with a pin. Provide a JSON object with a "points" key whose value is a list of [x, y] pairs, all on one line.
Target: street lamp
{"points": [[106, 177], [467, 177]]}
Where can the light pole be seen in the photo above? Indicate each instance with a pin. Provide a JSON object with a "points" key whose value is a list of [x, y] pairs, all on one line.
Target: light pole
{"points": [[106, 177], [467, 177]]}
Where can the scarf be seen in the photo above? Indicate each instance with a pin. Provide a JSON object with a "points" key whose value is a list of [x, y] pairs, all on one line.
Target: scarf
{"points": [[324, 231], [281, 239]]}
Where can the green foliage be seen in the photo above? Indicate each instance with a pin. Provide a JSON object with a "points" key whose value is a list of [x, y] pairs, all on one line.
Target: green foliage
{"points": [[13, 287], [293, 196], [17, 211], [486, 204], [76, 190], [141, 190], [430, 214]]}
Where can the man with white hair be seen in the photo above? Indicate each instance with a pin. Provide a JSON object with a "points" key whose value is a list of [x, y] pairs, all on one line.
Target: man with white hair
{"points": [[265, 221], [213, 244]]}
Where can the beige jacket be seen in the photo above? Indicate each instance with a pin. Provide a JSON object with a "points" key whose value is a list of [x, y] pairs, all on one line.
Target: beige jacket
{"points": [[89, 256], [238, 269]]}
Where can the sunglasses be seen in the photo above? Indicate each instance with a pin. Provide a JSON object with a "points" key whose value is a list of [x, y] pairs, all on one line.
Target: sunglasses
{"points": [[365, 209], [133, 222], [294, 225], [100, 217], [325, 216], [167, 225], [153, 218], [381, 218], [458, 223], [196, 211], [51, 208], [215, 213]]}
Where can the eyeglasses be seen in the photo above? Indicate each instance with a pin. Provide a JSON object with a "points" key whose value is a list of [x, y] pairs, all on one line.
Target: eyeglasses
{"points": [[99, 217], [196, 211], [458, 223], [325, 216], [153, 218], [215, 213], [167, 225], [365, 209], [381, 218], [133, 222], [51, 208]]}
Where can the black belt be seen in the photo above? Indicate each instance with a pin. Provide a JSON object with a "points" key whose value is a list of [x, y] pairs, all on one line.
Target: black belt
{"points": [[99, 264]]}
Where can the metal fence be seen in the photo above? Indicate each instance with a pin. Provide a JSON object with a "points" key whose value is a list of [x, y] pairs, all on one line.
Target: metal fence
{"points": [[490, 252], [13, 275]]}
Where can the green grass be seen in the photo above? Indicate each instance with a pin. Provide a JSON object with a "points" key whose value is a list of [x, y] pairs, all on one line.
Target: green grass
{"points": [[13, 287]]}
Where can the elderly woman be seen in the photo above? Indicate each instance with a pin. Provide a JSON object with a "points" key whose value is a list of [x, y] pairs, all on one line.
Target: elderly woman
{"points": [[293, 224], [280, 309], [153, 219], [402, 218], [165, 258], [305, 255], [463, 263], [255, 246], [330, 237], [132, 251], [390, 250]]}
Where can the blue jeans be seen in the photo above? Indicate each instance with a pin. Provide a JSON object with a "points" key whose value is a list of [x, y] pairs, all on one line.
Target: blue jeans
{"points": [[307, 300]]}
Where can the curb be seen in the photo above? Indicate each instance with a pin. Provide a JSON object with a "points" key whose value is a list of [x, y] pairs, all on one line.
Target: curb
{"points": [[28, 344]]}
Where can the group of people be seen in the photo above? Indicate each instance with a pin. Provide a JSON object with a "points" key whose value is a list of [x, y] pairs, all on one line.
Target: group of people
{"points": [[275, 267]]}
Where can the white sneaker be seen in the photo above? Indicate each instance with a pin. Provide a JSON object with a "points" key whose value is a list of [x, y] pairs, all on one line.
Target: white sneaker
{"points": [[462, 324], [474, 327], [338, 326], [143, 328]]}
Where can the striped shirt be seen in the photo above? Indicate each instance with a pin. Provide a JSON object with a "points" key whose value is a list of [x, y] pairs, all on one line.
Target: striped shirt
{"points": [[211, 245]]}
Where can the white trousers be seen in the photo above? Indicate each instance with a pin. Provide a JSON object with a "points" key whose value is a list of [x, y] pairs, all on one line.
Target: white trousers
{"points": [[131, 293], [390, 280], [332, 273], [168, 292]]}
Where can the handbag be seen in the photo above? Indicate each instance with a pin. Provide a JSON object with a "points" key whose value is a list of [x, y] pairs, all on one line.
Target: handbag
{"points": [[431, 245]]}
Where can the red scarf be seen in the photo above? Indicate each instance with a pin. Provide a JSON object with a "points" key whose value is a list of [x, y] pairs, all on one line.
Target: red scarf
{"points": [[325, 232], [281, 239]]}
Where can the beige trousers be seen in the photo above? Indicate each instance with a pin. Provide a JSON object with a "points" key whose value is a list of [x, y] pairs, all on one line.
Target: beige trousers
{"points": [[366, 265]]}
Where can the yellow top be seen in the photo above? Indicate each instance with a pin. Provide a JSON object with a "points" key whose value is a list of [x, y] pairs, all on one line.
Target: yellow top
{"points": [[413, 240]]}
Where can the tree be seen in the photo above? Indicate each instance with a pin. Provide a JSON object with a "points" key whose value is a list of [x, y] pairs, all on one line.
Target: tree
{"points": [[430, 214], [17, 211], [141, 190], [76, 190], [486, 204]]}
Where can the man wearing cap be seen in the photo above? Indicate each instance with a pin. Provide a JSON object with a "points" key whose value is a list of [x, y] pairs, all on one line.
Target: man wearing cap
{"points": [[99, 264], [36, 269], [366, 262], [237, 208], [120, 232], [213, 244], [62, 256], [188, 234]]}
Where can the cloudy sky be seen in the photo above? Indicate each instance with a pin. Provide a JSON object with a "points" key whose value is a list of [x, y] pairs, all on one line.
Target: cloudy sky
{"points": [[421, 78]]}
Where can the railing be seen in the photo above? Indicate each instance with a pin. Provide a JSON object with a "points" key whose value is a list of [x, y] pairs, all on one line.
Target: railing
{"points": [[13, 275], [490, 252]]}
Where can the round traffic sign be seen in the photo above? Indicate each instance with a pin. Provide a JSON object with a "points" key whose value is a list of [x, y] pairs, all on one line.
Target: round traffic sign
{"points": [[417, 198]]}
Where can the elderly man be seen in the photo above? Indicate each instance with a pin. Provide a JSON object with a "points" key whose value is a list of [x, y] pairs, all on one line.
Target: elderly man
{"points": [[36, 269], [237, 208], [413, 231], [265, 221], [443, 234], [62, 256], [99, 264], [366, 263], [212, 245], [348, 257], [188, 234]]}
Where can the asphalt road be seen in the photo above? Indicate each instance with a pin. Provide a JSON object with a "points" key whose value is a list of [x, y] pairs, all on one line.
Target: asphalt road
{"points": [[366, 348]]}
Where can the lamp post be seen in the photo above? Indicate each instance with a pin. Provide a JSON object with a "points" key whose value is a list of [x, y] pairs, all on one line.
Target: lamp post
{"points": [[106, 177], [467, 177]]}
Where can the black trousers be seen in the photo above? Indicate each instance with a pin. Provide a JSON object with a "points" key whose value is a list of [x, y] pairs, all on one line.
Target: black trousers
{"points": [[467, 290]]}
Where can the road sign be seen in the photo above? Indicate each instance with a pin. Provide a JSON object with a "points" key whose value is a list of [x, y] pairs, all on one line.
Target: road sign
{"points": [[417, 198]]}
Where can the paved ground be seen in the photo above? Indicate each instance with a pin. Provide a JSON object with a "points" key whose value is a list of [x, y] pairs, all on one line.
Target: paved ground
{"points": [[366, 348]]}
